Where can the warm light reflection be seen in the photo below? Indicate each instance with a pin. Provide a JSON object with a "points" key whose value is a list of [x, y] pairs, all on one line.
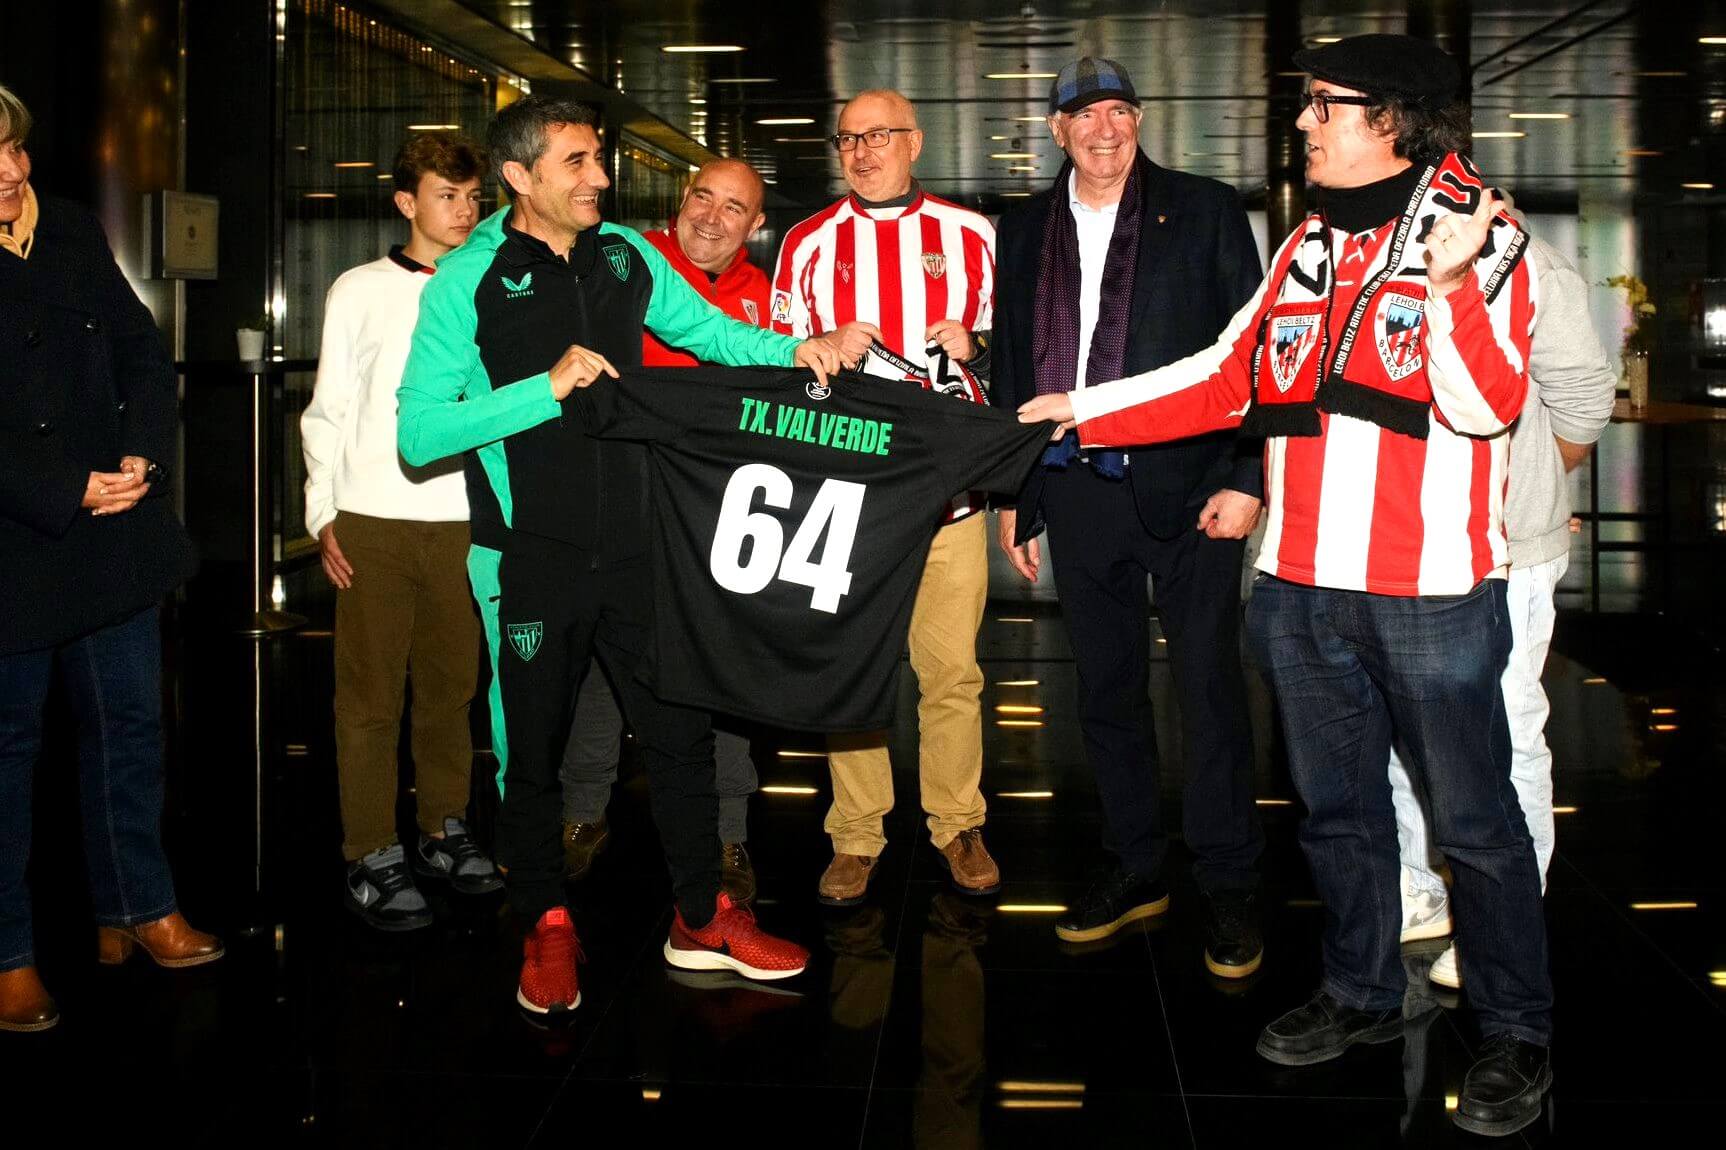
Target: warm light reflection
{"points": [[1018, 722], [1017, 683], [1041, 1104], [1274, 802], [789, 791], [1031, 908], [1563, 810], [1018, 75], [1450, 1102], [1662, 906], [1017, 709], [1013, 619], [803, 754], [1594, 682], [1019, 1086], [1024, 794], [650, 1093]]}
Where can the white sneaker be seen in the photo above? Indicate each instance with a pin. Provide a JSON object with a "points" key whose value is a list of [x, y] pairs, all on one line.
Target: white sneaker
{"points": [[1425, 914], [1444, 972]]}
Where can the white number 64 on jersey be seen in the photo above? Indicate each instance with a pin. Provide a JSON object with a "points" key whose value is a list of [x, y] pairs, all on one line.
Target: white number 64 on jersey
{"points": [[835, 510]]}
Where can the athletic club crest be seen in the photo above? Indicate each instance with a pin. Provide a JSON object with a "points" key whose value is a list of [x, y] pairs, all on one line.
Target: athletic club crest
{"points": [[525, 637], [1292, 337], [844, 271], [935, 263], [618, 256], [1397, 331], [750, 311]]}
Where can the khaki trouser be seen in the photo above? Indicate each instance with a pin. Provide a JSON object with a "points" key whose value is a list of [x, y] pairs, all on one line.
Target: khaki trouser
{"points": [[943, 642], [407, 613]]}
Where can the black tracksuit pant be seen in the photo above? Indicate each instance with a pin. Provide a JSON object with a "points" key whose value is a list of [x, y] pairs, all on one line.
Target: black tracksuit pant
{"points": [[1101, 552], [554, 613]]}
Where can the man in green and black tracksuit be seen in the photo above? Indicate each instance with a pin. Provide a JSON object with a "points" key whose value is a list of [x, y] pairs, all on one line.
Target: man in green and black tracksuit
{"points": [[559, 562]]}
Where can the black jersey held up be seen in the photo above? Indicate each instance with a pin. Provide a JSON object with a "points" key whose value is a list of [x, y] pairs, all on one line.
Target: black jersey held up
{"points": [[790, 527]]}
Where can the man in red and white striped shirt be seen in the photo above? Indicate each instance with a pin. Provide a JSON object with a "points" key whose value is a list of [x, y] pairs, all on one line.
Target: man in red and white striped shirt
{"points": [[1384, 358], [921, 272]]}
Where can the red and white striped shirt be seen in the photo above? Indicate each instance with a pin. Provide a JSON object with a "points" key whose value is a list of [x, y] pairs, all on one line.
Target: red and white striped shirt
{"points": [[899, 268], [1359, 507]]}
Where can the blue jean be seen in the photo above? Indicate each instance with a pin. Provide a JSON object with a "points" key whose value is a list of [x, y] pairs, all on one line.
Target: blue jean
{"points": [[1349, 669], [112, 680]]}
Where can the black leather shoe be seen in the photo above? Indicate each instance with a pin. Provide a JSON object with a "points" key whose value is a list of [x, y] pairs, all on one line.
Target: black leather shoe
{"points": [[1504, 1088], [1113, 901], [1234, 948], [1324, 1028]]}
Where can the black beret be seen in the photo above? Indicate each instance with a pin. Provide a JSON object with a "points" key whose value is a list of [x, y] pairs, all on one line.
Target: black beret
{"points": [[1382, 64]]}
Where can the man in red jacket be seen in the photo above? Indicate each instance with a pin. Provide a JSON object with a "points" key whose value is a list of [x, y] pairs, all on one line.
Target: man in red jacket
{"points": [[720, 211]]}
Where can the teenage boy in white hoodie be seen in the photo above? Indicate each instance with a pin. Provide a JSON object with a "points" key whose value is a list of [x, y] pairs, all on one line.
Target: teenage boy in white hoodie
{"points": [[394, 542]]}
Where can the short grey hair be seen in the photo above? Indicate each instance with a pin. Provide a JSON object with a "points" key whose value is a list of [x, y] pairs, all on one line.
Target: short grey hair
{"points": [[15, 118], [520, 131]]}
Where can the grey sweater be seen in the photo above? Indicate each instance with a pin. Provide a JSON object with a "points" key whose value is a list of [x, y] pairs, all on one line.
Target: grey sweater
{"points": [[1571, 386]]}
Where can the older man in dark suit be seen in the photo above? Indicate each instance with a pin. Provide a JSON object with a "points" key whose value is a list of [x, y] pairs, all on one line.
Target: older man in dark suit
{"points": [[1122, 266]]}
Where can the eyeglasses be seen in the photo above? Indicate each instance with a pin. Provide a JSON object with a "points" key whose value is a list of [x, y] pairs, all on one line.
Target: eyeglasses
{"points": [[1320, 103], [876, 138]]}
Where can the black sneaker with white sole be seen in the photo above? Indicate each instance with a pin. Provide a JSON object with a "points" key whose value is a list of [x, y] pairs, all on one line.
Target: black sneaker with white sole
{"points": [[382, 892], [456, 859]]}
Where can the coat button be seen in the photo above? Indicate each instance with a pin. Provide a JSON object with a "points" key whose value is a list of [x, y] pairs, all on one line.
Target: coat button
{"points": [[44, 428], [121, 406], [92, 326], [32, 337]]}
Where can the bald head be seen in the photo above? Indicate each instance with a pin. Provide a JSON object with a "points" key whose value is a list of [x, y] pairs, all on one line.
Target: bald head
{"points": [[883, 173], [721, 210], [882, 103]]}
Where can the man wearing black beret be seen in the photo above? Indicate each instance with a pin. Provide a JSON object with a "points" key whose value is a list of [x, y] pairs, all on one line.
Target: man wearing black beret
{"points": [[1383, 360]]}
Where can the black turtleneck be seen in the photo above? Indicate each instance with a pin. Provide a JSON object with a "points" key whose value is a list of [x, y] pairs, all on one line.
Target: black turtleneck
{"points": [[903, 201], [1372, 205]]}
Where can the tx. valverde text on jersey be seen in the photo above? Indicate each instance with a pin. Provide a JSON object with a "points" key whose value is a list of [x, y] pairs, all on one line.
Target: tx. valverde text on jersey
{"points": [[825, 429]]}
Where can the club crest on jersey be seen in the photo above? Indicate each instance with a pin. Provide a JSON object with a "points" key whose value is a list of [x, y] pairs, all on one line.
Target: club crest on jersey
{"points": [[1292, 337], [844, 271], [1397, 330], [935, 263], [815, 391], [781, 307], [617, 255], [525, 637], [749, 310]]}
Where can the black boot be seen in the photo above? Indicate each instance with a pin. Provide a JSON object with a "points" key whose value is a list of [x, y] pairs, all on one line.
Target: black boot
{"points": [[1504, 1088], [1323, 1029]]}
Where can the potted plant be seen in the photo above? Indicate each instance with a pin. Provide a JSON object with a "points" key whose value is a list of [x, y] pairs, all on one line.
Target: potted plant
{"points": [[252, 337], [1637, 337]]}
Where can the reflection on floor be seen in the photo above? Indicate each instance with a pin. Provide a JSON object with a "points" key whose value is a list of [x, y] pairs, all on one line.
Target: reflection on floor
{"points": [[926, 1019]]}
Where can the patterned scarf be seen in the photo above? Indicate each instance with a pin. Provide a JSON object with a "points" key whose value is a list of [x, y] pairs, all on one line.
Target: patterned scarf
{"points": [[1375, 369], [20, 237], [1055, 331]]}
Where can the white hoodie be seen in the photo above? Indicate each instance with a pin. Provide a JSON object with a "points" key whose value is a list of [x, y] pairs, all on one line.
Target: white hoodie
{"points": [[348, 431]]}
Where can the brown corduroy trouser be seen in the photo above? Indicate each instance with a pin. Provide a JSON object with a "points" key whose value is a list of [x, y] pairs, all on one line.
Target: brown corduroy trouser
{"points": [[408, 613]]}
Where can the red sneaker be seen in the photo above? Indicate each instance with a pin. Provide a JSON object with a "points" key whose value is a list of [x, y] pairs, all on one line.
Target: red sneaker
{"points": [[548, 979], [732, 941]]}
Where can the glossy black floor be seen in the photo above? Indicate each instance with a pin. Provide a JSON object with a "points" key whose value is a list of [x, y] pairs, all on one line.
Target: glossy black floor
{"points": [[926, 1019]]}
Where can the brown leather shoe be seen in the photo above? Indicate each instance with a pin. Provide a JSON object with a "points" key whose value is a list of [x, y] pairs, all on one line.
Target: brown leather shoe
{"points": [[736, 873], [582, 843], [170, 941], [846, 880], [970, 865], [24, 1003]]}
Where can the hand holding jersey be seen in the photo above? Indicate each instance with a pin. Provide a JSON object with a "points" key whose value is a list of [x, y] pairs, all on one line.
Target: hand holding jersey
{"points": [[578, 367]]}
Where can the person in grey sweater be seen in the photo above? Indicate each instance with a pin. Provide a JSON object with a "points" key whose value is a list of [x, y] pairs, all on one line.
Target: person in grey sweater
{"points": [[1571, 386]]}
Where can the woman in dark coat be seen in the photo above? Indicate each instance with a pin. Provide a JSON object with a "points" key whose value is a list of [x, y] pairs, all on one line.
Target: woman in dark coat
{"points": [[89, 545]]}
